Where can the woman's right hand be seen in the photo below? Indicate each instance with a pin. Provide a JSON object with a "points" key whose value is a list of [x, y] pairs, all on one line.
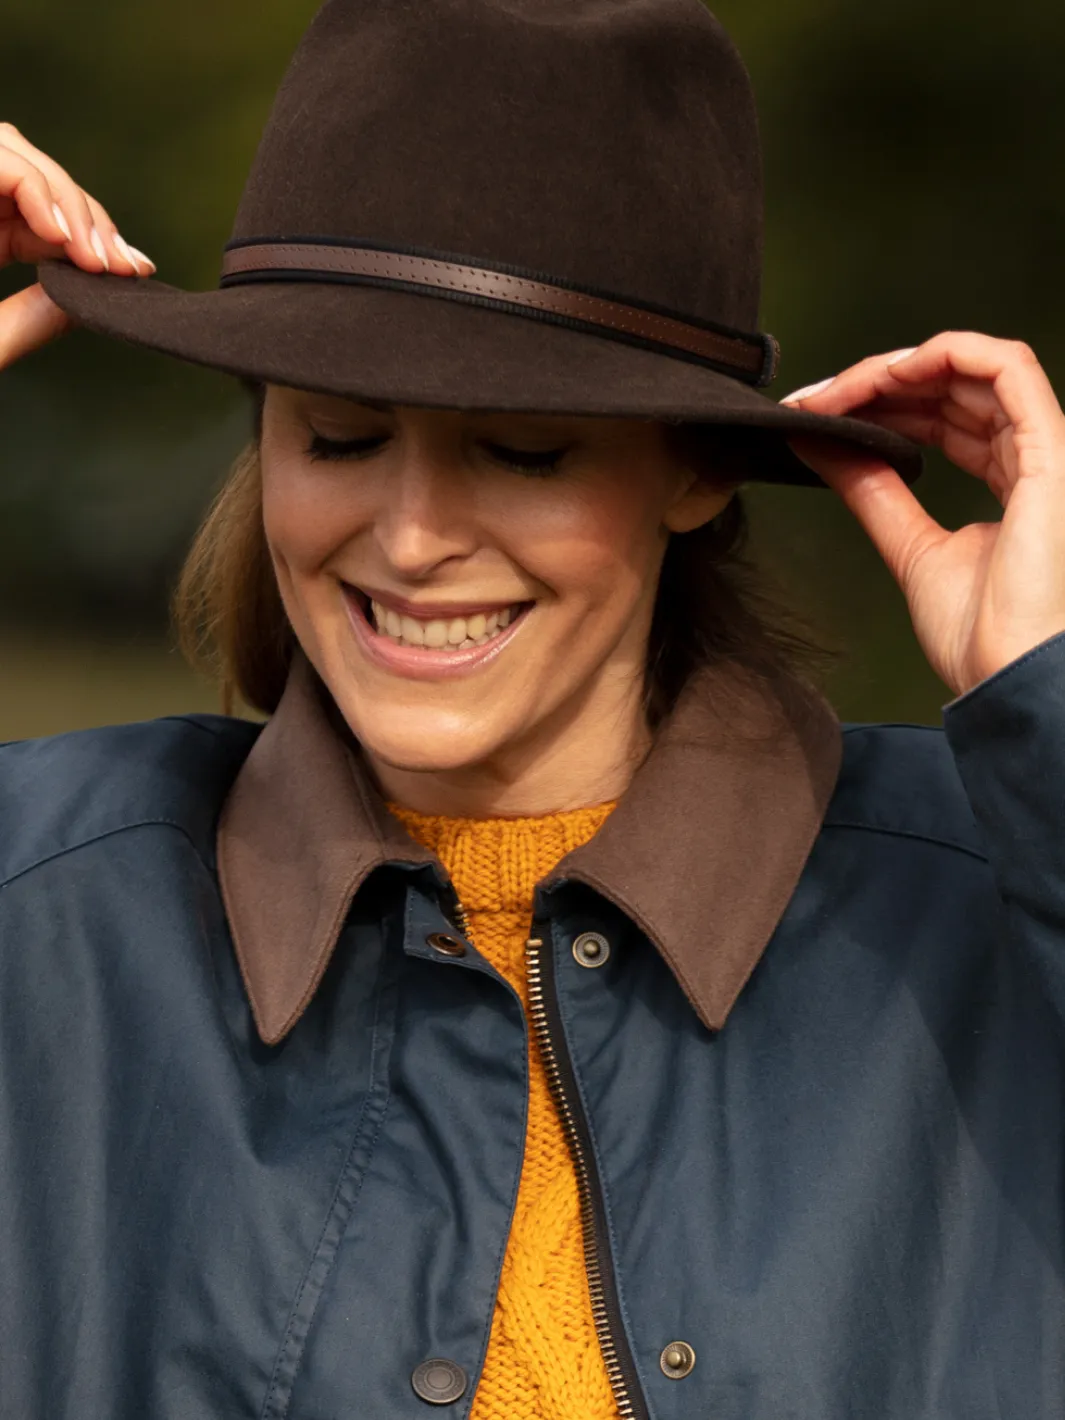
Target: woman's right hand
{"points": [[44, 213]]}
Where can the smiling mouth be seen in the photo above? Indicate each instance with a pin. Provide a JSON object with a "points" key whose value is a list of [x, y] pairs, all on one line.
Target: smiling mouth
{"points": [[440, 633]]}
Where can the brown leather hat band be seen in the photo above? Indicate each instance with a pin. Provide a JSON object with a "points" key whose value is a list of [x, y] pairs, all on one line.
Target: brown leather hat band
{"points": [[752, 358]]}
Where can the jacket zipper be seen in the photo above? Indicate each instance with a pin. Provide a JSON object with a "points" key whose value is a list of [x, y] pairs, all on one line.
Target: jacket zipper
{"points": [[546, 1023], [545, 1018]]}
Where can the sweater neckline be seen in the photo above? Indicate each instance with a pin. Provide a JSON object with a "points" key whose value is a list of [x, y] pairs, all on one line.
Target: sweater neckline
{"points": [[496, 863]]}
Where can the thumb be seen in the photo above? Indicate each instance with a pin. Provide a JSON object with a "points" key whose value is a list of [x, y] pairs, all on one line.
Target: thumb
{"points": [[897, 525], [28, 320]]}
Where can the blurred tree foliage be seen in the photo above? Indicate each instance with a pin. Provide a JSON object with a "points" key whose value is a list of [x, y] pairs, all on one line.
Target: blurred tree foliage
{"points": [[913, 157]]}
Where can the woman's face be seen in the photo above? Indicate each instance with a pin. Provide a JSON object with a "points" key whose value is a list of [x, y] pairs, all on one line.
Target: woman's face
{"points": [[467, 584]]}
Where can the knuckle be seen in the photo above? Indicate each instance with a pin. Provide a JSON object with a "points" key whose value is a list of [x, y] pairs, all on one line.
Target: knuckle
{"points": [[1023, 352], [8, 130]]}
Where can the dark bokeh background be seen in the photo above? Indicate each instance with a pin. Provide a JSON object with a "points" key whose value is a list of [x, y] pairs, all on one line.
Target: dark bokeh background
{"points": [[913, 157]]}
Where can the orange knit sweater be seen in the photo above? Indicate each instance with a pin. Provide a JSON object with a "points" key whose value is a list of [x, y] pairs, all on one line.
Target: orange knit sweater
{"points": [[544, 1361]]}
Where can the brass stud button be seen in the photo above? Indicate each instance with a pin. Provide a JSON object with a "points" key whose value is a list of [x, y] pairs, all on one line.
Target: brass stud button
{"points": [[591, 949], [446, 945], [677, 1360], [439, 1382]]}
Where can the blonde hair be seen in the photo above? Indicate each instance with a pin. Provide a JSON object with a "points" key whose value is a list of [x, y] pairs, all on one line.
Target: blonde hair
{"points": [[227, 610]]}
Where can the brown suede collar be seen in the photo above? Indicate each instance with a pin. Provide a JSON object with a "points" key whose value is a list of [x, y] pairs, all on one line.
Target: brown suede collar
{"points": [[703, 852]]}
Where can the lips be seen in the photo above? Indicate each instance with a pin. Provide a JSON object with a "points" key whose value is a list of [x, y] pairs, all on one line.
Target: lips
{"points": [[431, 643]]}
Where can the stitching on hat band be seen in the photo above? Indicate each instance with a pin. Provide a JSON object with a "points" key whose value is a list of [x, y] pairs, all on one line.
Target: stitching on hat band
{"points": [[752, 358]]}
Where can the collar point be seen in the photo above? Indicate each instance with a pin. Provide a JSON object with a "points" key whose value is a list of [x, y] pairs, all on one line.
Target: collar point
{"points": [[271, 1027]]}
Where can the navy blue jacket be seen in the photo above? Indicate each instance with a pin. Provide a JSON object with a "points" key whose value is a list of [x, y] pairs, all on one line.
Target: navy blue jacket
{"points": [[848, 1200]]}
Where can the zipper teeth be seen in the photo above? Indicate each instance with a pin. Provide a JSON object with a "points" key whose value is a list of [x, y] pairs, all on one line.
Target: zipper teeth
{"points": [[538, 1019], [463, 920]]}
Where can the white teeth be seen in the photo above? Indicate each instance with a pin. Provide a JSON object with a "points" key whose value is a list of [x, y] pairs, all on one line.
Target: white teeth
{"points": [[436, 634], [413, 631], [459, 634]]}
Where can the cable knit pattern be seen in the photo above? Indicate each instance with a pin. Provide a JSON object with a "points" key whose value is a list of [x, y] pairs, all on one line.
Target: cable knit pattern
{"points": [[543, 1361]]}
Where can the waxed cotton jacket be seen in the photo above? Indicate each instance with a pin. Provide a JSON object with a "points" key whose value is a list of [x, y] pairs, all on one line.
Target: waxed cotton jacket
{"points": [[262, 1109]]}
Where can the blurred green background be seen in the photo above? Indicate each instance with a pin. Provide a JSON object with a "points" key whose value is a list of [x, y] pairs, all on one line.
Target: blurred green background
{"points": [[913, 163]]}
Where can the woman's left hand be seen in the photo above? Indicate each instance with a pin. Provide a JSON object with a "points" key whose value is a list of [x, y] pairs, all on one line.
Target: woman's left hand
{"points": [[984, 595]]}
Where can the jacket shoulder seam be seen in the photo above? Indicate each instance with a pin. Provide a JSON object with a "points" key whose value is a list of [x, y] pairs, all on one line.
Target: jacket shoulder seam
{"points": [[935, 839], [197, 722], [47, 858]]}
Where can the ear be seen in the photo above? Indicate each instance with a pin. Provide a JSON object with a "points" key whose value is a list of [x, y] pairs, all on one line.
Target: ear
{"points": [[698, 502]]}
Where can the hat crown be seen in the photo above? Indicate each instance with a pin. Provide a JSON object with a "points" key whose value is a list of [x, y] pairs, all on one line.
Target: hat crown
{"points": [[608, 143]]}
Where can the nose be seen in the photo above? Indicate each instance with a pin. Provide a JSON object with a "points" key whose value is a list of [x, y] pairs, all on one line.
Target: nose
{"points": [[426, 514]]}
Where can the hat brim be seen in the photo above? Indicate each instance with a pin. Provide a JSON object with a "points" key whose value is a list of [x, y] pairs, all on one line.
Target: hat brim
{"points": [[363, 342]]}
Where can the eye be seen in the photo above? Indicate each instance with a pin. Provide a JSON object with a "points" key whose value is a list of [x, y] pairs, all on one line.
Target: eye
{"points": [[322, 448], [526, 460]]}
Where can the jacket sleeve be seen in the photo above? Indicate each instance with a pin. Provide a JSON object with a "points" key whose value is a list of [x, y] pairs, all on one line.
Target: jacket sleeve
{"points": [[1007, 736]]}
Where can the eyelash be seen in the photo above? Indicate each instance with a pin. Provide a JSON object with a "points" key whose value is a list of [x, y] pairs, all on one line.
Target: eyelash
{"points": [[333, 450], [527, 461]]}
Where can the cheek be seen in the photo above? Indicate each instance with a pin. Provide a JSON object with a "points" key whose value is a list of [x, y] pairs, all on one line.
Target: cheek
{"points": [[307, 515], [602, 543]]}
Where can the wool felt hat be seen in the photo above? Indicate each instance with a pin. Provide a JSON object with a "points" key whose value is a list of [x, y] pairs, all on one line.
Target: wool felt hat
{"points": [[522, 205]]}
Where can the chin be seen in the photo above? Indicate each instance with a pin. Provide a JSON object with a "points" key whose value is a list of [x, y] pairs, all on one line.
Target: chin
{"points": [[426, 755], [424, 743]]}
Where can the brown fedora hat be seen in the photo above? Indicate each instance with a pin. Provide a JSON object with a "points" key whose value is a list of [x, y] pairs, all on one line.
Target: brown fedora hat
{"points": [[546, 205]]}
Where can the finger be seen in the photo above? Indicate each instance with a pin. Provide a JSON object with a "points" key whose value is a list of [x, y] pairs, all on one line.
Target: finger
{"points": [[28, 320], [19, 243], [970, 403], [31, 197], [973, 453], [74, 210], [855, 376], [897, 525], [973, 406], [93, 232], [986, 459], [953, 360], [1009, 367], [79, 211], [120, 258], [933, 422]]}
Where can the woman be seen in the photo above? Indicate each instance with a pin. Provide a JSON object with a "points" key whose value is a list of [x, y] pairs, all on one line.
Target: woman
{"points": [[549, 1013]]}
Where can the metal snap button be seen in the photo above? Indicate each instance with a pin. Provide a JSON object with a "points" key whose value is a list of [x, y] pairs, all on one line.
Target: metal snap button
{"points": [[446, 945], [591, 949], [439, 1382], [677, 1360]]}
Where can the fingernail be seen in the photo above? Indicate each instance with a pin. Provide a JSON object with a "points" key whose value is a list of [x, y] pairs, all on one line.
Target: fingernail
{"points": [[808, 391], [60, 221], [147, 261], [127, 251], [97, 244], [903, 355]]}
